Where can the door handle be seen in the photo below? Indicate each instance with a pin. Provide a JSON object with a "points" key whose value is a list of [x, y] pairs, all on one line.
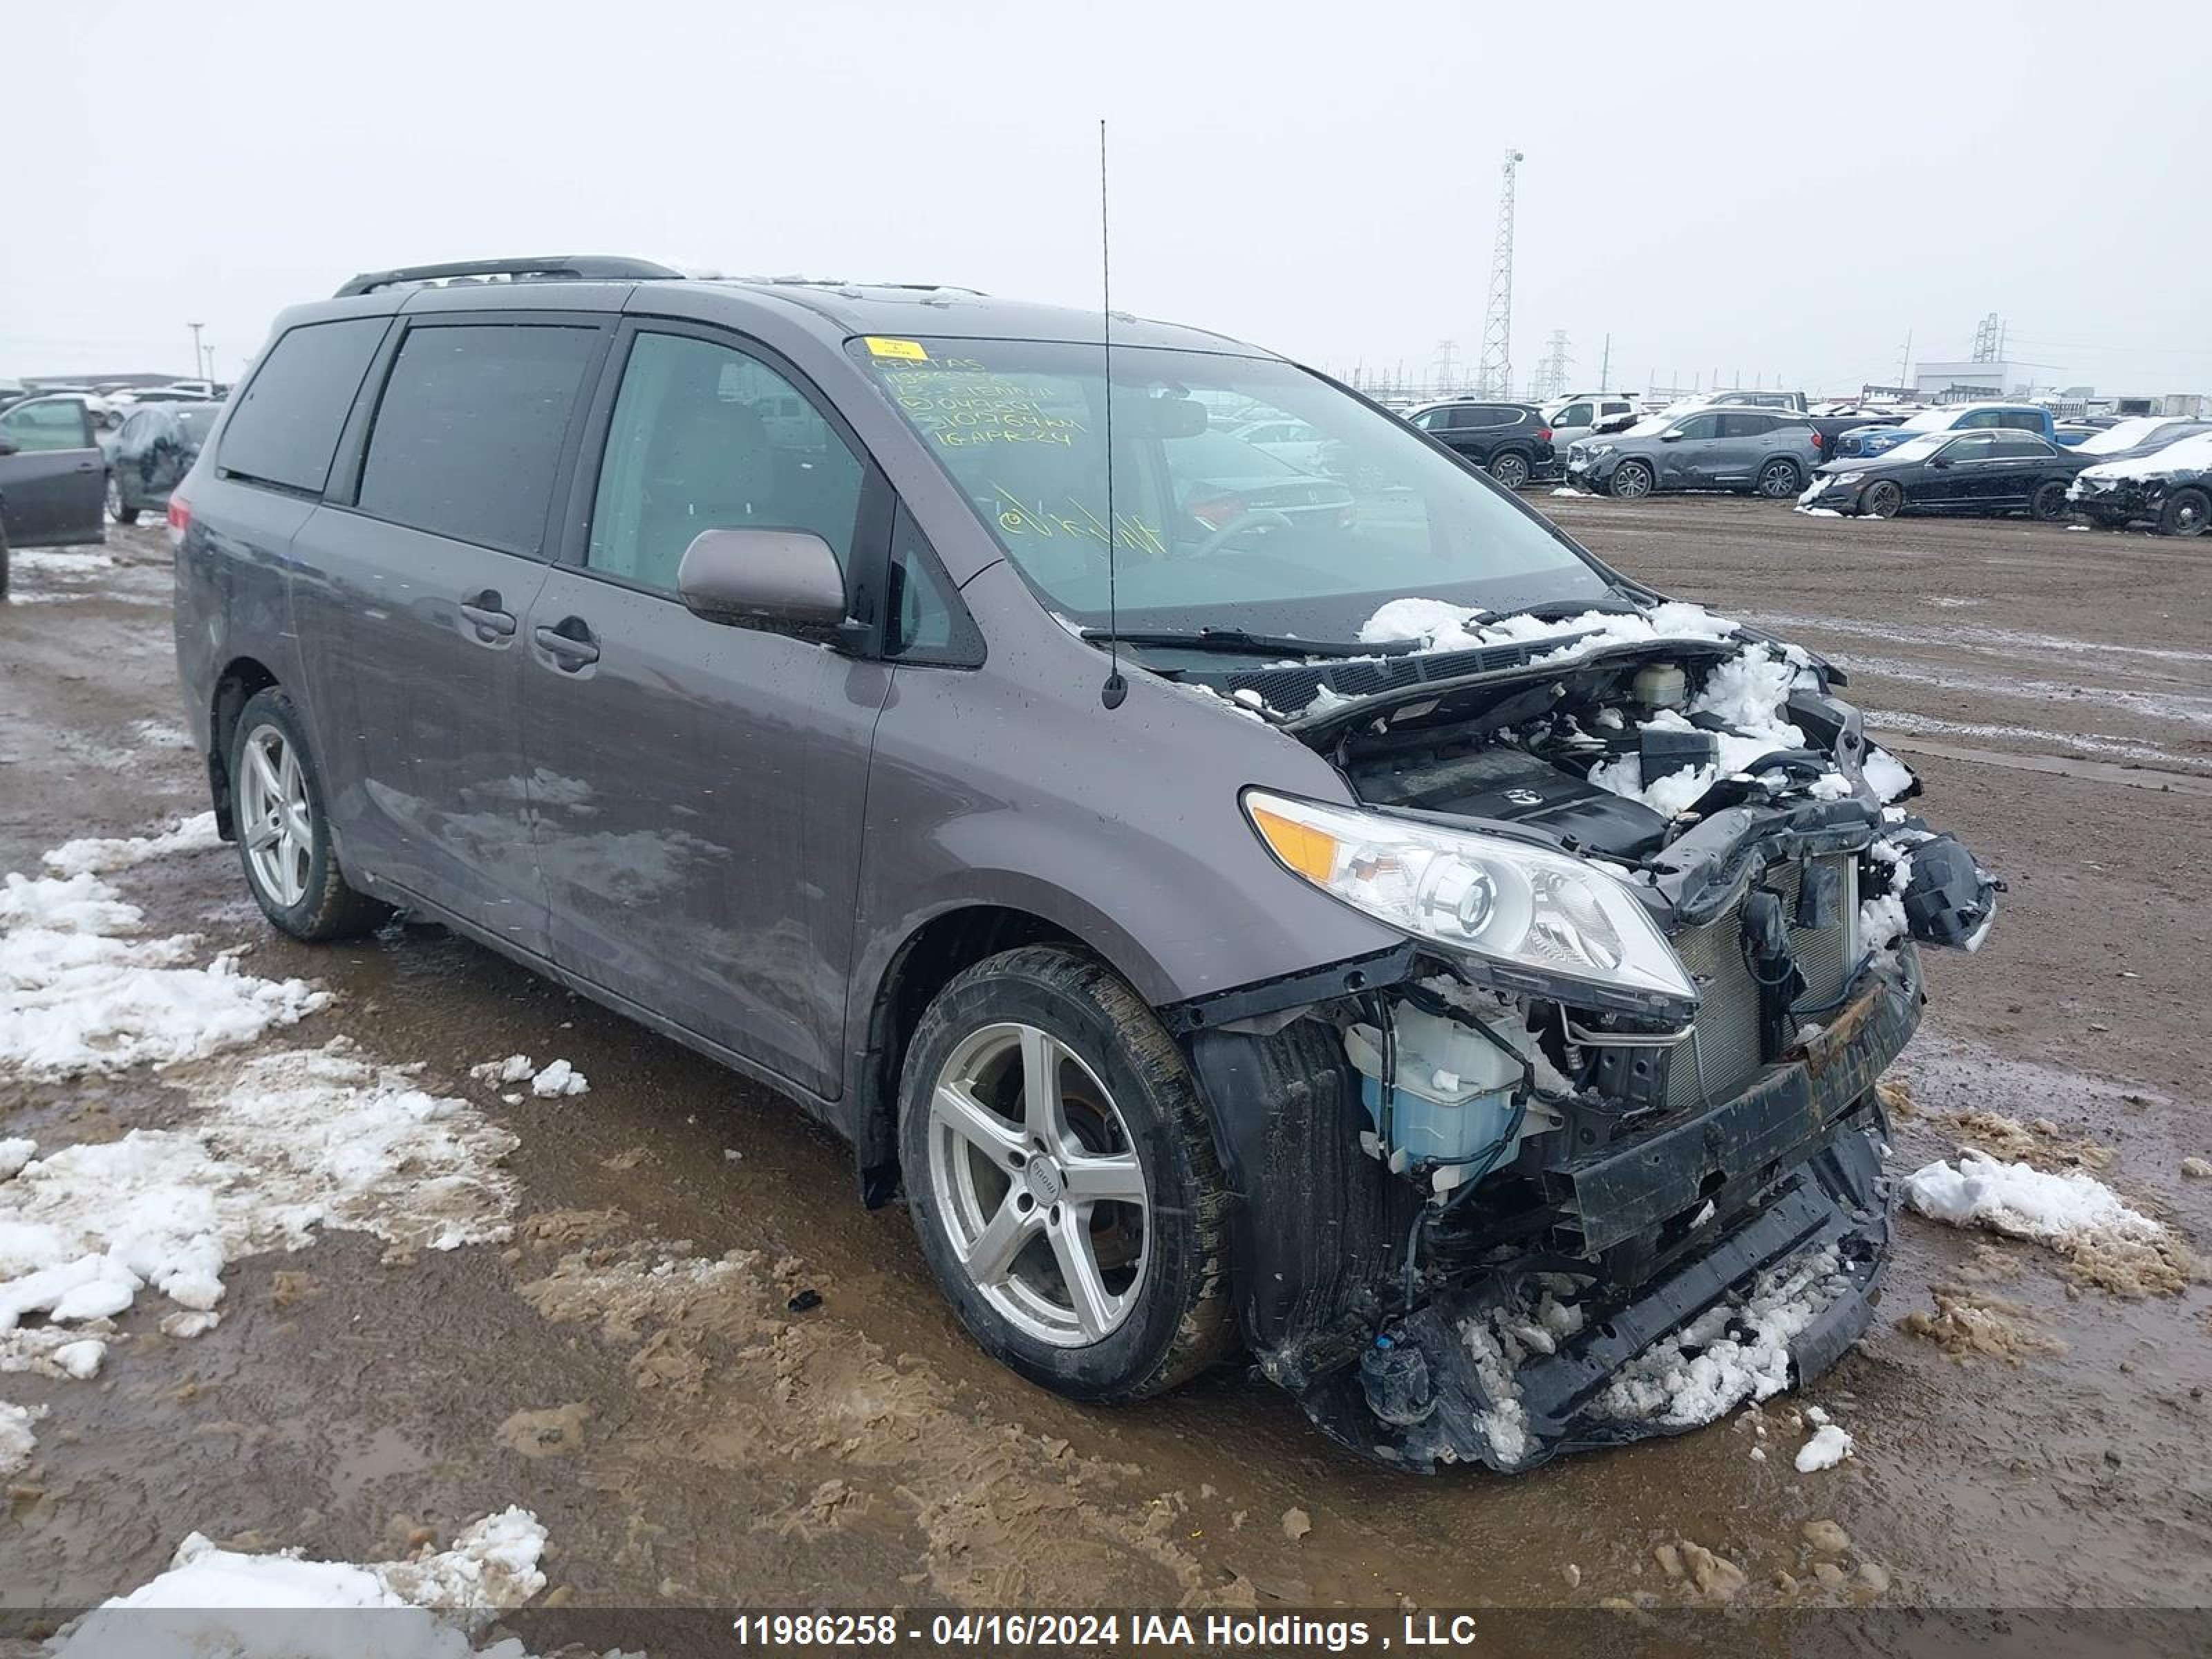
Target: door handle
{"points": [[570, 642], [485, 612], [86, 466]]}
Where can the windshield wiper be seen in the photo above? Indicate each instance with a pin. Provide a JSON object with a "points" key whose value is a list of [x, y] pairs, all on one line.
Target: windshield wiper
{"points": [[1236, 639]]}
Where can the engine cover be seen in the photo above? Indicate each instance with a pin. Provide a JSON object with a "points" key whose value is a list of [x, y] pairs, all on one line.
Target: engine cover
{"points": [[1508, 785]]}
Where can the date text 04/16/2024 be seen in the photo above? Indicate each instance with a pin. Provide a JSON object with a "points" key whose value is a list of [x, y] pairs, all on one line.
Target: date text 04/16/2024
{"points": [[1276, 1632]]}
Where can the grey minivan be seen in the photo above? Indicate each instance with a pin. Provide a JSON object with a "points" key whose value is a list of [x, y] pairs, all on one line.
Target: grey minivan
{"points": [[1385, 941]]}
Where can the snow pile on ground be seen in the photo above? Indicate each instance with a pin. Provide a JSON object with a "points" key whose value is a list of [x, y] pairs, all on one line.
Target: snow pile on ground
{"points": [[1827, 1446], [16, 1440], [2070, 1211], [1704, 1369], [99, 856], [79, 994], [281, 1146], [1748, 693], [215, 1603], [555, 1080]]}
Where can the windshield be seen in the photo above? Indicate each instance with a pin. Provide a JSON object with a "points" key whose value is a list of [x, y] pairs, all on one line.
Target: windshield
{"points": [[1650, 426], [1211, 531]]}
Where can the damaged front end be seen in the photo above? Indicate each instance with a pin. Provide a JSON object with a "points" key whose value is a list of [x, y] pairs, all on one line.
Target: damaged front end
{"points": [[1597, 1153]]}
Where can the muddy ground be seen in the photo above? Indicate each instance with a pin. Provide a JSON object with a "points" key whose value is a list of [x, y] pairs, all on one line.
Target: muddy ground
{"points": [[688, 1440]]}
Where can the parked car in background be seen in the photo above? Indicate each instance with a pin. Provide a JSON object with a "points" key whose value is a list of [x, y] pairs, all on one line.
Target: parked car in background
{"points": [[1511, 441], [1576, 417], [2139, 434], [1763, 450], [51, 477], [1794, 402], [1867, 440], [1292, 442], [1972, 474], [2170, 487], [154, 448], [1228, 484]]}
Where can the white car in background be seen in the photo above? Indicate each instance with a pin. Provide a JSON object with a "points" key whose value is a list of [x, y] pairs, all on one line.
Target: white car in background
{"points": [[1576, 417], [1292, 442]]}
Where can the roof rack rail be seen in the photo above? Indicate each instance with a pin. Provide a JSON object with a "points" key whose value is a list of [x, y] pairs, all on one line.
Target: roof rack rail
{"points": [[551, 268]]}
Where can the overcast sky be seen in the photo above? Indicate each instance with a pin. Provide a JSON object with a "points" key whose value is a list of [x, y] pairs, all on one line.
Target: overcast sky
{"points": [[1777, 190]]}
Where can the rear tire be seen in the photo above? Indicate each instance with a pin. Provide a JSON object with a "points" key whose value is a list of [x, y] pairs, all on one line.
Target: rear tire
{"points": [[3, 562], [1632, 481], [283, 829], [995, 1180], [115, 510], [1509, 468], [1780, 480], [2186, 513], [2049, 501], [1882, 500]]}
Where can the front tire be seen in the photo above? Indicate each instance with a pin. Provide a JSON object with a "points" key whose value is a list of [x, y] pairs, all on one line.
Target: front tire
{"points": [[2186, 513], [116, 509], [1632, 481], [1062, 1178], [1778, 480], [1882, 500], [2049, 501], [283, 828], [1510, 469]]}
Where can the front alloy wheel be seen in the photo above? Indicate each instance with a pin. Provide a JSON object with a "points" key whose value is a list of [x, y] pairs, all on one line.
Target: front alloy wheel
{"points": [[1632, 481], [1061, 1172], [1882, 500], [1042, 1193]]}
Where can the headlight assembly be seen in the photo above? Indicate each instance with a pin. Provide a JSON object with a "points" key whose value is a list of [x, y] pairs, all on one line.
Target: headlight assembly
{"points": [[1530, 915], [1847, 477]]}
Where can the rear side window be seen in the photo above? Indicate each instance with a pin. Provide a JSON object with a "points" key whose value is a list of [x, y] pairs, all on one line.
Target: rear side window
{"points": [[285, 427], [1579, 415], [468, 435], [1746, 426]]}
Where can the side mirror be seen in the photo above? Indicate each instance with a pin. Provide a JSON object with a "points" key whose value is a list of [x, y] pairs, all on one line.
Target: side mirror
{"points": [[762, 578], [1670, 437], [1941, 462]]}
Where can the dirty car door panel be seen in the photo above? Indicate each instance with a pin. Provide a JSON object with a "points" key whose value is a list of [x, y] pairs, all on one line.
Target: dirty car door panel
{"points": [[52, 478], [412, 595], [697, 788]]}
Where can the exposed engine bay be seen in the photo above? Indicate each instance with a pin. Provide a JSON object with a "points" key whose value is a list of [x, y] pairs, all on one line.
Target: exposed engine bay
{"points": [[1569, 1192]]}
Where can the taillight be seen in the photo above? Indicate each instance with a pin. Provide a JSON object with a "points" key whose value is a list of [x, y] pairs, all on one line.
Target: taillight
{"points": [[1543, 434], [1215, 511], [180, 520], [1818, 442]]}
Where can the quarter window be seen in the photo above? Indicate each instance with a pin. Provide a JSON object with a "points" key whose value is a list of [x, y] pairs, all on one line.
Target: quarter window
{"points": [[285, 426], [468, 435], [705, 437]]}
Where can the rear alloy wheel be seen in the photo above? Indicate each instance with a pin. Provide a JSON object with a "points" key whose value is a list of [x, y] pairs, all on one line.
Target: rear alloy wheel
{"points": [[1509, 469], [1631, 480], [115, 510], [2049, 501], [284, 835], [1882, 500], [2186, 513], [1062, 1178], [1777, 479]]}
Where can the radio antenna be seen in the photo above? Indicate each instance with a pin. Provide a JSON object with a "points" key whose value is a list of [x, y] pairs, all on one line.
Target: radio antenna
{"points": [[1116, 688]]}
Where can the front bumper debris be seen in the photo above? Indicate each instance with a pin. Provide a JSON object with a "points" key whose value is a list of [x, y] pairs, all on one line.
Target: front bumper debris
{"points": [[1776, 1192]]}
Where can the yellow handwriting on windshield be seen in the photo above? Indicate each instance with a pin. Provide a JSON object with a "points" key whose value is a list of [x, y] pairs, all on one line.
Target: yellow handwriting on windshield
{"points": [[961, 405], [1018, 519]]}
